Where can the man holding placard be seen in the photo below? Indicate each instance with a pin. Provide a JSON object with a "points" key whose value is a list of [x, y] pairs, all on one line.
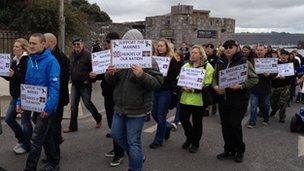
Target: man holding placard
{"points": [[267, 69], [117, 153], [281, 86], [132, 96], [233, 100], [42, 75]]}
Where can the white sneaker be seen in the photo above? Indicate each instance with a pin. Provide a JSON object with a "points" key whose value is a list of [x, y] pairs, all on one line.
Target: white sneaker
{"points": [[20, 150], [17, 146], [173, 126]]}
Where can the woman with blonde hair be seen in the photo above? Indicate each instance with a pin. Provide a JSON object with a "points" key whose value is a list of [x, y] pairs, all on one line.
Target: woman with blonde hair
{"points": [[16, 77], [192, 103], [162, 97]]}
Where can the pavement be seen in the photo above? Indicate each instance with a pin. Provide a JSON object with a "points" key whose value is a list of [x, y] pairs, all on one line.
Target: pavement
{"points": [[271, 147]]}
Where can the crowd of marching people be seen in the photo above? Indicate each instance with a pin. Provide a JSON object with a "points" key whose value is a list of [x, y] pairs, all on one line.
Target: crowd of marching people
{"points": [[132, 95]]}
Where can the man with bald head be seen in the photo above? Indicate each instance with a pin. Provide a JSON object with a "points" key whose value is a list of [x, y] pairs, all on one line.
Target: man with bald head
{"points": [[51, 43]]}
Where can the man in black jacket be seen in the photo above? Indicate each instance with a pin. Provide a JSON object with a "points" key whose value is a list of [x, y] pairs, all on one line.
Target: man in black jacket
{"points": [[81, 67], [107, 91], [260, 93], [233, 102], [64, 63], [212, 59]]}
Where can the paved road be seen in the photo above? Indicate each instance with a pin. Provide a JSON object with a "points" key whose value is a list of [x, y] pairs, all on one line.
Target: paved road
{"points": [[268, 148]]}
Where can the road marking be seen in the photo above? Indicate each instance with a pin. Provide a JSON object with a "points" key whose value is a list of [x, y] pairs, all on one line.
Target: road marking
{"points": [[300, 146], [152, 129]]}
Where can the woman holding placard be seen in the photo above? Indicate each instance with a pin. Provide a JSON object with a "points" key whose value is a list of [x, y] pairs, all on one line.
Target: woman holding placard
{"points": [[162, 97], [191, 102], [16, 77]]}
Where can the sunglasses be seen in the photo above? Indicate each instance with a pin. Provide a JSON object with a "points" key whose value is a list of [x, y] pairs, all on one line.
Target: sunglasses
{"points": [[76, 44], [228, 47]]}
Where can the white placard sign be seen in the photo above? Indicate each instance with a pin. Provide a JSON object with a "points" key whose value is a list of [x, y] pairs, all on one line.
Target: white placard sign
{"points": [[266, 65], [286, 69], [128, 52], [191, 77], [33, 98], [163, 64], [5, 60], [101, 61], [234, 75]]}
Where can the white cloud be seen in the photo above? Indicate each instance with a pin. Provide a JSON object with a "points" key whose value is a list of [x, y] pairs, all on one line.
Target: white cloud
{"points": [[250, 15]]}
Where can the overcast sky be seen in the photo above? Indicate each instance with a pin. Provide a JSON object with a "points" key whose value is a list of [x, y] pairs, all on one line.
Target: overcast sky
{"points": [[250, 15]]}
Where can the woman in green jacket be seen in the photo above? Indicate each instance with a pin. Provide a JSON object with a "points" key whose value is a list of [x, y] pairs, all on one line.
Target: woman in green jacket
{"points": [[191, 102]]}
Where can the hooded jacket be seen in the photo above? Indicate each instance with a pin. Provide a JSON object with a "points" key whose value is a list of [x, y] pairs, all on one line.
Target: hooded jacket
{"points": [[43, 70], [132, 95]]}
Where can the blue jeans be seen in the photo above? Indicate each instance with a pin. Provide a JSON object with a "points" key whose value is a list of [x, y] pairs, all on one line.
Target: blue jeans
{"points": [[126, 131], [24, 133], [261, 100], [161, 104]]}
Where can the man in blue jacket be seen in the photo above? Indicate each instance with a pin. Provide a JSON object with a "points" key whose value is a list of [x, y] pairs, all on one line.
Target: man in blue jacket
{"points": [[43, 70]]}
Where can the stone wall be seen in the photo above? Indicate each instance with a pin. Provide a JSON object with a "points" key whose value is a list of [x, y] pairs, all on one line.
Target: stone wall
{"points": [[183, 24]]}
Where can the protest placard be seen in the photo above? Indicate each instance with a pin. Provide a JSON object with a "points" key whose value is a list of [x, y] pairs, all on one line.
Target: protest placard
{"points": [[286, 69], [234, 75], [266, 65], [163, 64], [191, 78], [33, 98], [5, 60], [101, 61], [125, 53]]}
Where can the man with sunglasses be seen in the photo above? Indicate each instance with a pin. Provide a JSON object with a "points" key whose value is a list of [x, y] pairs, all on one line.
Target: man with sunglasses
{"points": [[233, 102], [81, 84]]}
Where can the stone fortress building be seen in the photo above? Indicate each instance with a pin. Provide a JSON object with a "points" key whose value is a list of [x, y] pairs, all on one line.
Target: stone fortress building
{"points": [[183, 23]]}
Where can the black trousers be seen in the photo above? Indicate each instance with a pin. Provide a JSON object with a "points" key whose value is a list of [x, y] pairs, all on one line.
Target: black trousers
{"points": [[83, 91], [109, 106], [56, 127], [43, 134], [194, 130], [232, 113]]}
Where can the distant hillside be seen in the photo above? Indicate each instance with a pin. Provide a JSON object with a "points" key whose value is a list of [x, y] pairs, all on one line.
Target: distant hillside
{"points": [[272, 38]]}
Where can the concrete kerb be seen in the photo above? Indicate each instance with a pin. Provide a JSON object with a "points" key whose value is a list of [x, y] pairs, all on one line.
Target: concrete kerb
{"points": [[5, 100]]}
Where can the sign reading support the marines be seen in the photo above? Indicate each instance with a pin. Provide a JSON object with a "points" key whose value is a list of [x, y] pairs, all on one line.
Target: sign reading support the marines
{"points": [[286, 69], [266, 65], [234, 75], [33, 98], [163, 64], [125, 53], [191, 78], [5, 60], [101, 61]]}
